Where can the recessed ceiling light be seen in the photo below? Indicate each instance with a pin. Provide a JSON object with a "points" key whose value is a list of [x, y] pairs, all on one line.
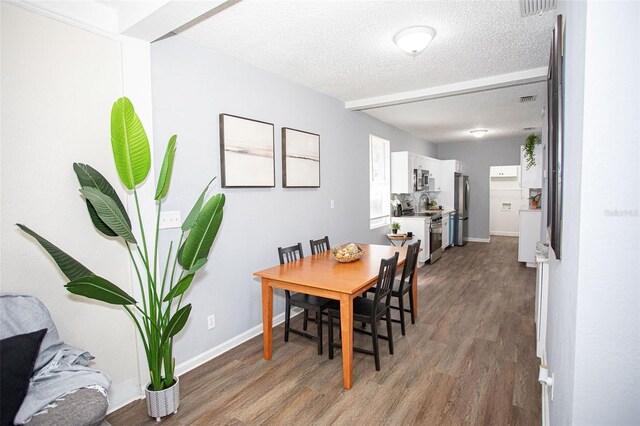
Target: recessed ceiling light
{"points": [[478, 133], [414, 40]]}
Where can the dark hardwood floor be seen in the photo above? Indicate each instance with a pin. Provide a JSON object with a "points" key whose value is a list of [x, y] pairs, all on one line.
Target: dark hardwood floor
{"points": [[469, 359]]}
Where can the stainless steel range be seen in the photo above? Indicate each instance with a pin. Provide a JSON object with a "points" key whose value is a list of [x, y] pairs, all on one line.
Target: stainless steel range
{"points": [[435, 237]]}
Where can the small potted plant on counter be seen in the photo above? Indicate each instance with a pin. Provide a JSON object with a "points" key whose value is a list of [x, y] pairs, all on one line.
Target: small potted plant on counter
{"points": [[394, 227], [534, 200]]}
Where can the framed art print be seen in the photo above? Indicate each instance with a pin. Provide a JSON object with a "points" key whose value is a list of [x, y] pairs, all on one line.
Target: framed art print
{"points": [[246, 153], [300, 159]]}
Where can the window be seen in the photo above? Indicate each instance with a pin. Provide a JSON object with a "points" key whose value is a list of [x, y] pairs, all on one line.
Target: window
{"points": [[379, 182]]}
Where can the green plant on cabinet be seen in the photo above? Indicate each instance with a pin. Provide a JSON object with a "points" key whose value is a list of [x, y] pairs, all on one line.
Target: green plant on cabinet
{"points": [[160, 315]]}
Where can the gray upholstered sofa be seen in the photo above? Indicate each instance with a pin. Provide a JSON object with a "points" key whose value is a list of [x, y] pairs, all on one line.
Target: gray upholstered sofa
{"points": [[62, 389]]}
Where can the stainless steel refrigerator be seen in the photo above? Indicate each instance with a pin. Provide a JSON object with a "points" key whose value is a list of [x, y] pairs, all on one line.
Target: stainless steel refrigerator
{"points": [[461, 204]]}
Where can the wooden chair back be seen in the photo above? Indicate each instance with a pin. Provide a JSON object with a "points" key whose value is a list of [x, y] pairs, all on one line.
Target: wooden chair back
{"points": [[410, 264], [386, 275], [291, 253], [318, 246]]}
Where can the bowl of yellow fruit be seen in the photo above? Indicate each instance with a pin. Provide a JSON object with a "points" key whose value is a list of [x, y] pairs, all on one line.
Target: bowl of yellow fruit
{"points": [[347, 252]]}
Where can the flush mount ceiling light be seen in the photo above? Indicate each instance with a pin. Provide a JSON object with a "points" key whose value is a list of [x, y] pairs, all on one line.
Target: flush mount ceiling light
{"points": [[478, 133], [414, 40]]}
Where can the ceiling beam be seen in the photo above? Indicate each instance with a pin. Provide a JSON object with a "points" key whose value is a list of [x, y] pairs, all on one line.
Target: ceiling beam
{"points": [[534, 75], [168, 16], [143, 20]]}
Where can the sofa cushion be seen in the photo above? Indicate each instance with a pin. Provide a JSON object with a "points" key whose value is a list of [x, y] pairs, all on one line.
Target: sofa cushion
{"points": [[84, 407], [17, 357]]}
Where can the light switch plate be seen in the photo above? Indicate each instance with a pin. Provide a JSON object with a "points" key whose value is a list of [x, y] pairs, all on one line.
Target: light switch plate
{"points": [[170, 219]]}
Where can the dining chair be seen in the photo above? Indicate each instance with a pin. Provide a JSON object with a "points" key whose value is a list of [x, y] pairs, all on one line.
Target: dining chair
{"points": [[318, 246], [304, 301], [404, 285], [371, 311]]}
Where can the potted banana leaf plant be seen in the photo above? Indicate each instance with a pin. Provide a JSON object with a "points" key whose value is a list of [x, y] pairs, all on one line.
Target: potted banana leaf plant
{"points": [[160, 314]]}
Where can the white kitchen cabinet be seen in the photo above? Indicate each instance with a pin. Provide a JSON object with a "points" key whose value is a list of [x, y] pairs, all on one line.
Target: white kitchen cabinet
{"points": [[445, 232], [420, 228], [420, 162], [435, 174], [447, 175], [504, 171], [402, 172], [530, 225], [531, 178]]}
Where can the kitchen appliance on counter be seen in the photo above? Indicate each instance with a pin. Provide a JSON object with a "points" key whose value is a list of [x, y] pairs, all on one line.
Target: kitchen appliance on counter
{"points": [[461, 206]]}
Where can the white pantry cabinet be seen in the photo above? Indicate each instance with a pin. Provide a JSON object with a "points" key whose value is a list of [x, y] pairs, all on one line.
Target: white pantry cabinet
{"points": [[531, 178]]}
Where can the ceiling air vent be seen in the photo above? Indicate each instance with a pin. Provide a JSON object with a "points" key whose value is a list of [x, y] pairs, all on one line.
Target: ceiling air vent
{"points": [[529, 129], [530, 98], [533, 7]]}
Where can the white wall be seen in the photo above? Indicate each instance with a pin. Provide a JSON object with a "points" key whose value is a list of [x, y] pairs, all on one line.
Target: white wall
{"points": [[607, 365], [192, 84], [58, 84], [593, 332], [563, 276]]}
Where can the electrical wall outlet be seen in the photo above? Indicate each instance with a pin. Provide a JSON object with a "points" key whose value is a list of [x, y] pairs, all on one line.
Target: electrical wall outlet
{"points": [[170, 219], [211, 321]]}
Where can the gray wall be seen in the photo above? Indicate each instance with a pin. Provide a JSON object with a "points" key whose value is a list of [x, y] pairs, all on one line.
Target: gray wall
{"points": [[192, 84], [594, 296], [478, 157]]}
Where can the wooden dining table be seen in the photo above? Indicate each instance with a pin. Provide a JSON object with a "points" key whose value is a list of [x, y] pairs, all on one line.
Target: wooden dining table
{"points": [[321, 275]]}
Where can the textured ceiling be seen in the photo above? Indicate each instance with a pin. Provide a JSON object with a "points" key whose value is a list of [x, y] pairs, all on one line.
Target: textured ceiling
{"points": [[450, 119], [345, 48]]}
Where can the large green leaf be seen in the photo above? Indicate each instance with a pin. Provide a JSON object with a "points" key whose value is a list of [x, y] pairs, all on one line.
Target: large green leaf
{"points": [[90, 177], [176, 323], [201, 236], [99, 223], [167, 167], [197, 265], [95, 287], [129, 143], [180, 287], [70, 267], [109, 213], [195, 210]]}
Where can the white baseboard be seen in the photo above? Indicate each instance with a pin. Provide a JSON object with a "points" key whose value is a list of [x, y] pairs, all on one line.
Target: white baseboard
{"points": [[198, 360], [126, 392], [506, 234], [479, 240], [123, 393]]}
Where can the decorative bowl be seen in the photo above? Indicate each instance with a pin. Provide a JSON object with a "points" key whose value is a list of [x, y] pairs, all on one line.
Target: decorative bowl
{"points": [[346, 253]]}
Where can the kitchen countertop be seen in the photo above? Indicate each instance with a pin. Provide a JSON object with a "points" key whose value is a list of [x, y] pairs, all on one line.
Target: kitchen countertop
{"points": [[444, 213]]}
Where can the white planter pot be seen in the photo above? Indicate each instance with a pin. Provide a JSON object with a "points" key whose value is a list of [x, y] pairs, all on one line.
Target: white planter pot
{"points": [[164, 402]]}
